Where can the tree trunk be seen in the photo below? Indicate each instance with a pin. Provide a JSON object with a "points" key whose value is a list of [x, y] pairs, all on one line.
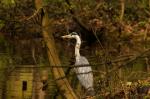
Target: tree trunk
{"points": [[58, 73], [37, 85]]}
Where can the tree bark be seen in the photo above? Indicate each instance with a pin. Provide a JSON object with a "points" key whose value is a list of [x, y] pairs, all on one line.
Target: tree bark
{"points": [[58, 73]]}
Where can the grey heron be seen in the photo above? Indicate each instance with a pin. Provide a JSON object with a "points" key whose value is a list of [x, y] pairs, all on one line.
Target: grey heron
{"points": [[84, 73]]}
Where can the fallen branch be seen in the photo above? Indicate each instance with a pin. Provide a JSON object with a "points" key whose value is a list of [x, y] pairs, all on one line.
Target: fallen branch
{"points": [[130, 61]]}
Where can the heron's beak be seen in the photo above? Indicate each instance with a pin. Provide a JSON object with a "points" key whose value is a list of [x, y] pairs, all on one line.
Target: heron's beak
{"points": [[66, 36]]}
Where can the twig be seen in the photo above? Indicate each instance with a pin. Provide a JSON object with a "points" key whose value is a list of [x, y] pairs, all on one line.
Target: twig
{"points": [[35, 14]]}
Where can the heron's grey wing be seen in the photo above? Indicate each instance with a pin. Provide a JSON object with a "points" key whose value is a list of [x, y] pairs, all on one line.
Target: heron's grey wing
{"points": [[83, 61], [84, 74]]}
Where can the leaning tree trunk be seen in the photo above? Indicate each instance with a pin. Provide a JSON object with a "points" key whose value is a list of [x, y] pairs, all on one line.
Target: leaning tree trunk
{"points": [[58, 73]]}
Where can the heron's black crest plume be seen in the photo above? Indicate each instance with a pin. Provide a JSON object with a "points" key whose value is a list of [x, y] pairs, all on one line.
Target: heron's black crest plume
{"points": [[74, 33]]}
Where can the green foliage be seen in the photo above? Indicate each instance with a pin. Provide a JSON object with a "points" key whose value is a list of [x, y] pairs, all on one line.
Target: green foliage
{"points": [[2, 23], [142, 23], [143, 3], [8, 3]]}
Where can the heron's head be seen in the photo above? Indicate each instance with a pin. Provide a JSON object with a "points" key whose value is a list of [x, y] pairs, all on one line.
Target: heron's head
{"points": [[72, 35]]}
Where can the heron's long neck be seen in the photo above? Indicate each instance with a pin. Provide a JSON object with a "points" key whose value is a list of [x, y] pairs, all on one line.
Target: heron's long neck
{"points": [[77, 48]]}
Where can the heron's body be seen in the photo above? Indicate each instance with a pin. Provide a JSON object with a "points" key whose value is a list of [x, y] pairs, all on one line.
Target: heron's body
{"points": [[84, 73]]}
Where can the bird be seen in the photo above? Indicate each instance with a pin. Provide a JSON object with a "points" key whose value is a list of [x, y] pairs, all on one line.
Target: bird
{"points": [[84, 73]]}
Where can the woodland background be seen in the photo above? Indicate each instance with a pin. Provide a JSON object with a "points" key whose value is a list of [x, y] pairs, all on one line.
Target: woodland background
{"points": [[115, 39]]}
